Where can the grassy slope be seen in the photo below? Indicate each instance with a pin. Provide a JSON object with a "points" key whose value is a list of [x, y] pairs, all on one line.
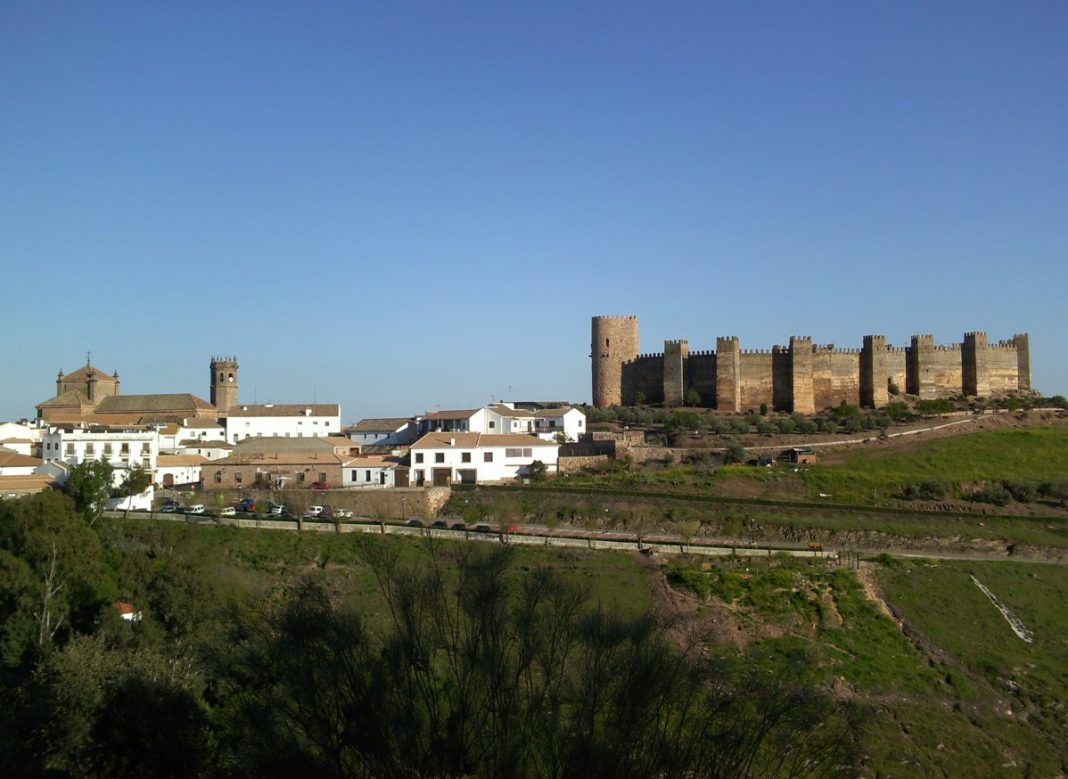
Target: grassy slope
{"points": [[941, 695]]}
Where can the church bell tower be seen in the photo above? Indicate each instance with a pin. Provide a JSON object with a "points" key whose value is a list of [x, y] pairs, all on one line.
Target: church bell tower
{"points": [[224, 383]]}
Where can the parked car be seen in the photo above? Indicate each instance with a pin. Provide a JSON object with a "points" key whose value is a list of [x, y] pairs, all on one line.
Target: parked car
{"points": [[313, 511], [458, 526], [170, 502], [414, 522], [169, 508], [277, 510], [320, 485], [343, 513], [246, 504], [483, 528], [196, 508], [440, 523], [228, 511]]}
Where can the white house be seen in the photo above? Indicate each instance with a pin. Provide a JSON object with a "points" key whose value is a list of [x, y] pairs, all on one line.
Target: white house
{"points": [[549, 423], [370, 472], [284, 420], [124, 446], [211, 450], [474, 420], [14, 463], [21, 438], [392, 431], [173, 470], [467, 458], [173, 435]]}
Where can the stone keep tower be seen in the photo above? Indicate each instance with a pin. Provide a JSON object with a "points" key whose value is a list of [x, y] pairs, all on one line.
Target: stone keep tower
{"points": [[224, 382], [615, 341]]}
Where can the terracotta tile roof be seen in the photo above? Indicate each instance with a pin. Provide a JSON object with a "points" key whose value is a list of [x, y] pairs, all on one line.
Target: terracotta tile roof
{"points": [[72, 397], [23, 484], [284, 410], [460, 414], [477, 440], [181, 401], [16, 441], [272, 444], [12, 459], [283, 458], [84, 373], [205, 443], [200, 423], [178, 460], [380, 425]]}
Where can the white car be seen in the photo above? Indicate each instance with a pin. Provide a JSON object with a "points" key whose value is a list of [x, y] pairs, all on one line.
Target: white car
{"points": [[197, 508], [313, 511], [228, 511]]}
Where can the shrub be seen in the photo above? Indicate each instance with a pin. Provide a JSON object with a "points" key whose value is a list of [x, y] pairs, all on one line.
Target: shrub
{"points": [[785, 425], [1021, 491], [717, 425], [897, 411], [993, 493], [935, 406], [764, 427], [1055, 490], [693, 397], [639, 398], [763, 409], [739, 425], [924, 490], [735, 453]]}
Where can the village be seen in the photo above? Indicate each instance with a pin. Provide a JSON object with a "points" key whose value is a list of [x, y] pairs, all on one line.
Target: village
{"points": [[185, 443]]}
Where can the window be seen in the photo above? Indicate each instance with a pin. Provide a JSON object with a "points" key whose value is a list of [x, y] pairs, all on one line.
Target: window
{"points": [[367, 476], [492, 424], [90, 449], [519, 452], [354, 476], [419, 457], [322, 476], [465, 457], [107, 449], [238, 478], [300, 477], [70, 448], [439, 457], [125, 449], [487, 457], [218, 477]]}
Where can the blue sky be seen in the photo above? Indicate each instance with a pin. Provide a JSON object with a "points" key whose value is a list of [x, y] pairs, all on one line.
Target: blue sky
{"points": [[403, 206]]}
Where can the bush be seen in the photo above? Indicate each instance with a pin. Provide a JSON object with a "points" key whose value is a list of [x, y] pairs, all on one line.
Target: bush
{"points": [[764, 427], [924, 490], [739, 425], [931, 407], [785, 425], [899, 412], [1021, 491], [717, 425], [1054, 490], [993, 493], [735, 453], [763, 409], [693, 397]]}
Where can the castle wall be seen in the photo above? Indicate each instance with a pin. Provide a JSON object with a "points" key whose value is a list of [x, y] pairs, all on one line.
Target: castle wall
{"points": [[645, 375], [836, 377], [1002, 365], [895, 367], [755, 379], [802, 377], [701, 375]]}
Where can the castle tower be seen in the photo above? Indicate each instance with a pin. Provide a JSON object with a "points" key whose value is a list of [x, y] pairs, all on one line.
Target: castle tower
{"points": [[802, 389], [728, 374], [224, 383], [676, 353], [1023, 361], [974, 365], [874, 372], [615, 341], [919, 368]]}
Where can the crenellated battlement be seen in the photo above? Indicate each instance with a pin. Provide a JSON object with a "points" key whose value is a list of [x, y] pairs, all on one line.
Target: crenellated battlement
{"points": [[803, 375]]}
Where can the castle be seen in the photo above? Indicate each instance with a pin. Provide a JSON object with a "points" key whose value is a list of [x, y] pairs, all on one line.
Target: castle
{"points": [[803, 377]]}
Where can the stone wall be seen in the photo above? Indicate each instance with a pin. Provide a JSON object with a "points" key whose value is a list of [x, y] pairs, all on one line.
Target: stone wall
{"points": [[806, 377], [575, 464]]}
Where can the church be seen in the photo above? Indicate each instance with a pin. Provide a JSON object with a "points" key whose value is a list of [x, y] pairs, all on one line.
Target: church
{"points": [[89, 395]]}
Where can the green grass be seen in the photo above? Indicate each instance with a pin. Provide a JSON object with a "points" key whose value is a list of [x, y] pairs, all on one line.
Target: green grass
{"points": [[939, 696]]}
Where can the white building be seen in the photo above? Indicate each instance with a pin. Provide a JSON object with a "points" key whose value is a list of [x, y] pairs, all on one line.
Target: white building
{"points": [[173, 435], [284, 420], [174, 470], [122, 446], [371, 472], [468, 458], [14, 463], [21, 438], [549, 423], [474, 420]]}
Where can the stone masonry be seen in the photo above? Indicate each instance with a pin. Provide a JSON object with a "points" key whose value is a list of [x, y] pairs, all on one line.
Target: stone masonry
{"points": [[804, 376]]}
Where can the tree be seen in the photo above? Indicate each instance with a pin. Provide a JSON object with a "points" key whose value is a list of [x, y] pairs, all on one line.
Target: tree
{"points": [[89, 483], [537, 470], [735, 453], [693, 397], [485, 670], [136, 481]]}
